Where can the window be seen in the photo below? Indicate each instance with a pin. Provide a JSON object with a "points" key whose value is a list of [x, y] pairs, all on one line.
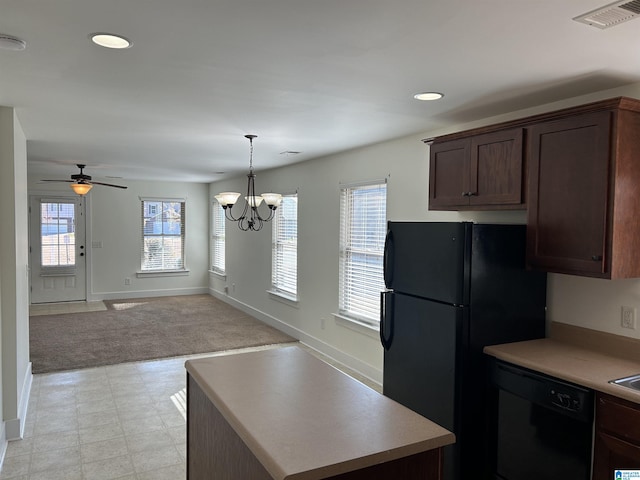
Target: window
{"points": [[58, 234], [217, 239], [163, 235], [284, 264], [363, 216]]}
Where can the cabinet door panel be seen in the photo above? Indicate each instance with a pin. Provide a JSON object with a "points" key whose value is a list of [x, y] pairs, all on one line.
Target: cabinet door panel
{"points": [[568, 194], [449, 173], [617, 439], [612, 453], [496, 168]]}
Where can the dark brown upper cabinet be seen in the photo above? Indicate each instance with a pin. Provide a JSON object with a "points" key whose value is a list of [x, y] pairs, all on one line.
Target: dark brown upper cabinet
{"points": [[580, 168], [584, 191], [477, 172]]}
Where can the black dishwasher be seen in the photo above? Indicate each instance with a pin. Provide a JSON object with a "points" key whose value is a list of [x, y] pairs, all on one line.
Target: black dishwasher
{"points": [[541, 427]]}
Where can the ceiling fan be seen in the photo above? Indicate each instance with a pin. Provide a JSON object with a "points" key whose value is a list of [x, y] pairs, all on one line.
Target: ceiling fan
{"points": [[81, 183]]}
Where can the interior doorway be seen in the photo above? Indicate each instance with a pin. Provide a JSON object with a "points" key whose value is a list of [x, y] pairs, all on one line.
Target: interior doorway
{"points": [[58, 251]]}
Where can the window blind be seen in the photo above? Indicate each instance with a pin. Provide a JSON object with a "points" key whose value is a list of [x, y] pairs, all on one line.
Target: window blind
{"points": [[284, 266], [363, 216], [218, 239], [163, 230]]}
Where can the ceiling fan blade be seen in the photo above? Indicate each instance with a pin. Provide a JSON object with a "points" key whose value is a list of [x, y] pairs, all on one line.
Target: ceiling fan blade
{"points": [[67, 181], [108, 184]]}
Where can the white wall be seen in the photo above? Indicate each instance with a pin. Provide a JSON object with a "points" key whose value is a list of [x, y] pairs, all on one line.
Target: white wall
{"points": [[14, 291], [248, 260], [585, 302], [114, 219]]}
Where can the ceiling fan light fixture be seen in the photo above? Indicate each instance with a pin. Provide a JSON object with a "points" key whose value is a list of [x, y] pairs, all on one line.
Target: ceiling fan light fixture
{"points": [[109, 40], [81, 188], [428, 96], [81, 183]]}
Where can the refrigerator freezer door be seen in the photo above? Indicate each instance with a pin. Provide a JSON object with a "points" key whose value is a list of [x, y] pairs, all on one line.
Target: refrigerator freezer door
{"points": [[421, 359], [427, 259]]}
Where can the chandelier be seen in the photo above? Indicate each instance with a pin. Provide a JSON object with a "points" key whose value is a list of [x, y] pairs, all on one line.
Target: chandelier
{"points": [[250, 218]]}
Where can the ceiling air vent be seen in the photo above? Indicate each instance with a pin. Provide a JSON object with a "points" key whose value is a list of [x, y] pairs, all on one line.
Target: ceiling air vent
{"points": [[611, 15]]}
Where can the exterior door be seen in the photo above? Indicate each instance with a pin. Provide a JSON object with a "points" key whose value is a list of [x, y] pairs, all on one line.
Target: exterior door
{"points": [[57, 251]]}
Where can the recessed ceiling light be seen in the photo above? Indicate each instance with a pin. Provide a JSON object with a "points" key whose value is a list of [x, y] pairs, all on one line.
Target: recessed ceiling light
{"points": [[425, 96], [8, 42], [108, 40]]}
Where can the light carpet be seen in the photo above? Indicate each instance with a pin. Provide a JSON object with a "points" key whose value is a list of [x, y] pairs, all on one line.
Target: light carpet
{"points": [[144, 329]]}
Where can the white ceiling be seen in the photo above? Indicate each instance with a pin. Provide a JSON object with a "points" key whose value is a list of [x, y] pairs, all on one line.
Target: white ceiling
{"points": [[311, 76]]}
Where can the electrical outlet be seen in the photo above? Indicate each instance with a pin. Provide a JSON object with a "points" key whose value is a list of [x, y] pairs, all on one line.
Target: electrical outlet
{"points": [[628, 317], [322, 323], [127, 281]]}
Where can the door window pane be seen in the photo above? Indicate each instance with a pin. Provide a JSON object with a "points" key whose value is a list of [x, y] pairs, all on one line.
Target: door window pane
{"points": [[58, 234]]}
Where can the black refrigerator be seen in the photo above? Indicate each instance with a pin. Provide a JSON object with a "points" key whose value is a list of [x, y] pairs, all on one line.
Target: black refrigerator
{"points": [[454, 288]]}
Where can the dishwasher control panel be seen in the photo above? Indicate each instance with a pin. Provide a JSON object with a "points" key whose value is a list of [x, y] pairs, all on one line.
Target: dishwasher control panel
{"points": [[565, 400], [549, 392]]}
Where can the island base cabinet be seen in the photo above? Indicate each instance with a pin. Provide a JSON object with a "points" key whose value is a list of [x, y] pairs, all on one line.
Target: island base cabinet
{"points": [[216, 451]]}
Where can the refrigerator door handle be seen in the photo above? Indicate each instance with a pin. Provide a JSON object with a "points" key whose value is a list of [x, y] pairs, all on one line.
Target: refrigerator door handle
{"points": [[386, 319], [388, 259]]}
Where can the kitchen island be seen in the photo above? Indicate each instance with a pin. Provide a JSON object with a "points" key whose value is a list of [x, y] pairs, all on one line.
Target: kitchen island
{"points": [[283, 414]]}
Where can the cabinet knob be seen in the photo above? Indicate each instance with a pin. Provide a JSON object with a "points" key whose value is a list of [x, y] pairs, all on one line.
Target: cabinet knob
{"points": [[465, 194], [472, 194], [596, 258]]}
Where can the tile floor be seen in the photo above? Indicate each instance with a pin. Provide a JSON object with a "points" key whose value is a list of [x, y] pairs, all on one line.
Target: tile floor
{"points": [[116, 422]]}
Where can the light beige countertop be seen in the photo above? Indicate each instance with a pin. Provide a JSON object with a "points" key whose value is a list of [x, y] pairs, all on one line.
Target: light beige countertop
{"points": [[563, 360], [304, 419]]}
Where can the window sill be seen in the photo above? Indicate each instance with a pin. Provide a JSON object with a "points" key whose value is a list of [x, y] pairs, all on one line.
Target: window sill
{"points": [[221, 276], [162, 273], [285, 298], [357, 326]]}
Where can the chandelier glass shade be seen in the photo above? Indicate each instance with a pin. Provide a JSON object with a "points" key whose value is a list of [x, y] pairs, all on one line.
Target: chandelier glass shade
{"points": [[249, 218]]}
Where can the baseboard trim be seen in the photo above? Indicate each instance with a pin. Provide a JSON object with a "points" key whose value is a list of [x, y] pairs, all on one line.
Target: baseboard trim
{"points": [[372, 374], [3, 444], [14, 428], [148, 293]]}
